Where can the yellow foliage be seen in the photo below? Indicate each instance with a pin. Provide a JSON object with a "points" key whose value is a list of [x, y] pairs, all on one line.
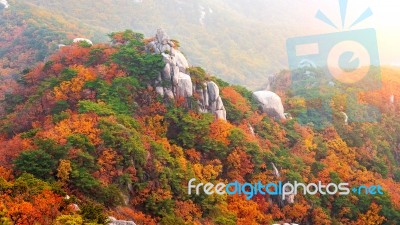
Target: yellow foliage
{"points": [[72, 88], [63, 170]]}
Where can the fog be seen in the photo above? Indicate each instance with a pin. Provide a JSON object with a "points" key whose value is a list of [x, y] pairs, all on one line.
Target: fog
{"points": [[237, 39]]}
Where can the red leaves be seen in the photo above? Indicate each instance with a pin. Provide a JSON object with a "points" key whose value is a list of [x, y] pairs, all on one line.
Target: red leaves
{"points": [[42, 208]]}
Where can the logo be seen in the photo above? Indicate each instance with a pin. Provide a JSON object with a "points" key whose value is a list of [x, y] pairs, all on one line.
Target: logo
{"points": [[323, 66], [285, 190]]}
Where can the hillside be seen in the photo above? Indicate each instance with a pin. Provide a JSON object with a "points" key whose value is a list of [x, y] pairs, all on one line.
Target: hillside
{"points": [[29, 35], [111, 127]]}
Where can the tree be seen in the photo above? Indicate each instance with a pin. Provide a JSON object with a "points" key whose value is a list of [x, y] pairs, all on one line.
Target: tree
{"points": [[93, 213], [38, 163], [220, 130], [239, 165], [139, 64], [320, 217], [237, 106], [371, 217], [247, 212], [137, 216], [69, 220], [71, 90], [296, 212], [47, 204], [187, 210], [63, 171], [22, 213]]}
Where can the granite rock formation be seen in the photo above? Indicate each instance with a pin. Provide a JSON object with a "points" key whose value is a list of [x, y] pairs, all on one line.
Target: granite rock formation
{"points": [[174, 81], [270, 103]]}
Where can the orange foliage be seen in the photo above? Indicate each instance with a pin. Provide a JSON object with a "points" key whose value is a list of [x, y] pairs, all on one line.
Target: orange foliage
{"points": [[109, 72], [71, 55], [296, 212], [155, 126], [85, 124], [319, 217], [238, 101], [220, 130], [239, 165], [72, 89], [193, 155], [107, 162], [371, 217], [187, 210], [125, 213], [6, 174], [208, 172], [247, 212], [42, 209]]}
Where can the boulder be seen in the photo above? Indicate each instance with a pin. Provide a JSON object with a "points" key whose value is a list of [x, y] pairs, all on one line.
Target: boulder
{"points": [[77, 40], [270, 103], [4, 3], [114, 221], [160, 91]]}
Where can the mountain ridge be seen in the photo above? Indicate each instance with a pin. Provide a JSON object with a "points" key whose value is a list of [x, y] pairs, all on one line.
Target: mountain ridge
{"points": [[117, 148]]}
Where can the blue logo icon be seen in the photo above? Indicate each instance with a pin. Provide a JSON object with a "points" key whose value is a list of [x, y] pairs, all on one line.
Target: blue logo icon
{"points": [[328, 65]]}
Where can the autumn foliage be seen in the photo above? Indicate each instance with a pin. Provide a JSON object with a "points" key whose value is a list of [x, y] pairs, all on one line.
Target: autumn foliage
{"points": [[84, 136]]}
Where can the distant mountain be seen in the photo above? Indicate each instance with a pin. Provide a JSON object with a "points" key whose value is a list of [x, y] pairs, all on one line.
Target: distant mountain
{"points": [[240, 41]]}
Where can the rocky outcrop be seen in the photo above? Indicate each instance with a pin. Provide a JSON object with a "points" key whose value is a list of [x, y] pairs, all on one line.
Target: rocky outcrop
{"points": [[270, 103], [77, 40], [289, 198], [346, 118], [174, 81], [276, 171], [4, 3], [210, 100], [114, 221], [251, 129]]}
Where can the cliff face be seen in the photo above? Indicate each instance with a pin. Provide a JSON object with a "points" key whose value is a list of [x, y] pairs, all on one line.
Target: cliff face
{"points": [[175, 82]]}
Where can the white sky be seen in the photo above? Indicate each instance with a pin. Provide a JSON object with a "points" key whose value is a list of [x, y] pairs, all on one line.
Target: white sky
{"points": [[386, 21]]}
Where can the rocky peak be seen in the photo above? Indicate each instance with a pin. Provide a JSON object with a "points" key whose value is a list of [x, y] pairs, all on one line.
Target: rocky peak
{"points": [[162, 37], [174, 81]]}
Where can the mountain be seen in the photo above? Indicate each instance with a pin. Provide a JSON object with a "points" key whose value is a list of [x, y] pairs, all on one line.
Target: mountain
{"points": [[29, 35], [92, 132], [214, 34], [217, 34]]}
